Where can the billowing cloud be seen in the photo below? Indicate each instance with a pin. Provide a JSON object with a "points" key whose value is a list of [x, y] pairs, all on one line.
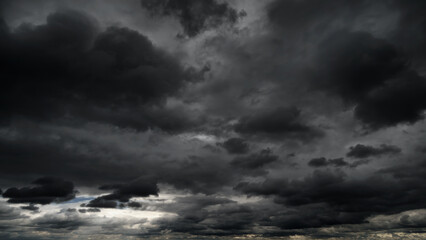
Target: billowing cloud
{"points": [[68, 67], [339, 199], [364, 151], [255, 160], [280, 123], [337, 162], [235, 146], [47, 190], [142, 187], [195, 17], [374, 76], [218, 119]]}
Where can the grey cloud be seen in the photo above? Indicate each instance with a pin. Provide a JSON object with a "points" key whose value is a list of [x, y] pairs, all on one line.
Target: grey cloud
{"points": [[333, 194], [68, 67], [364, 151], [337, 162], [255, 160], [280, 123], [235, 146], [47, 190], [142, 187], [195, 17], [118, 101], [88, 210], [30, 207], [374, 76]]}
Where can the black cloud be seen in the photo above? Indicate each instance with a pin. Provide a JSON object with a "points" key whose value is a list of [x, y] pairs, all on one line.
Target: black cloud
{"points": [[48, 190], [374, 76], [100, 202], [322, 162], [66, 67], [364, 151], [235, 146], [142, 187], [30, 207], [255, 160], [280, 123], [111, 99], [50, 221], [194, 16], [134, 205], [356, 62], [88, 210], [400, 100], [337, 162], [224, 217], [339, 199]]}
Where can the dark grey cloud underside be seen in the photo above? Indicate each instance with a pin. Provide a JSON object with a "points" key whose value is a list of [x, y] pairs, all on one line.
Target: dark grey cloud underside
{"points": [[68, 68], [194, 16], [69, 71]]}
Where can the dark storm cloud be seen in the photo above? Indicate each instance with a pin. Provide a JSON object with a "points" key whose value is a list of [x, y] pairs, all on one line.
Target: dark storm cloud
{"points": [[198, 174], [255, 160], [22, 157], [374, 76], [76, 95], [47, 190], [280, 123], [54, 221], [298, 16], [235, 146], [410, 33], [356, 62], [88, 210], [401, 100], [194, 16], [377, 76], [364, 151], [207, 215], [340, 199], [66, 67], [323, 162], [30, 207], [101, 202], [68, 157], [337, 162], [142, 187], [134, 205]]}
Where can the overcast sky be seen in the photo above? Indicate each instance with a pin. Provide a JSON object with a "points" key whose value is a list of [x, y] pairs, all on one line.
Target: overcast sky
{"points": [[211, 119]]}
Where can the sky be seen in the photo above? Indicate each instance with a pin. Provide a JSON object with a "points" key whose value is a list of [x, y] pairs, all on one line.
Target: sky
{"points": [[212, 119]]}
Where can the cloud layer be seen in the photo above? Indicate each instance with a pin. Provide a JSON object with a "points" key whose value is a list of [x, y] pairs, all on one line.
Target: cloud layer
{"points": [[278, 119]]}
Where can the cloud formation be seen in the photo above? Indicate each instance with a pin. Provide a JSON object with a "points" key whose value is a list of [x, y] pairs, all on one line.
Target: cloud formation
{"points": [[68, 67], [280, 123], [47, 190], [195, 17], [212, 119], [364, 151]]}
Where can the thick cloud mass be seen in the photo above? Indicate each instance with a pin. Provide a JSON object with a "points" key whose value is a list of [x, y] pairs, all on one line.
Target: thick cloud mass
{"points": [[123, 192], [337, 162], [67, 67], [212, 119], [372, 74], [47, 190], [235, 146], [363, 151], [194, 16], [279, 123], [255, 160], [337, 198]]}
